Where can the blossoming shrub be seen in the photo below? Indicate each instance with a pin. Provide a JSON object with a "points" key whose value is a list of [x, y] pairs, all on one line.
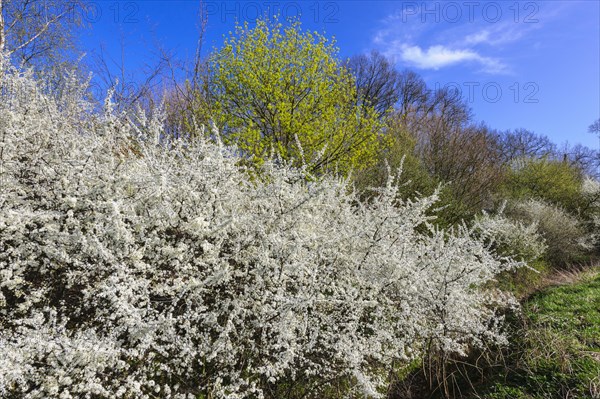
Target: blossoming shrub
{"points": [[511, 237], [590, 190], [565, 235], [133, 266], [520, 240]]}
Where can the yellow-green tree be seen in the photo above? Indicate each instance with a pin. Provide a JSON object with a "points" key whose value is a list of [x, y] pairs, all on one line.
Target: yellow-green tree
{"points": [[280, 89]]}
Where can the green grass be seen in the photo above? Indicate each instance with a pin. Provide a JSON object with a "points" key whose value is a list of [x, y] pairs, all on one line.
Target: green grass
{"points": [[556, 347]]}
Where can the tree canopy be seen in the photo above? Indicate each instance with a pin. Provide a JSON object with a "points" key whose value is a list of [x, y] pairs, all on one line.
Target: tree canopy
{"points": [[280, 89]]}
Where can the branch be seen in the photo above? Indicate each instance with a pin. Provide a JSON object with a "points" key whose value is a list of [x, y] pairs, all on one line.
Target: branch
{"points": [[37, 35]]}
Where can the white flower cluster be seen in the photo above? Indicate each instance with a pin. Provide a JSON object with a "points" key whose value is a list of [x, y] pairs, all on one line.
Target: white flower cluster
{"points": [[590, 189], [511, 237], [132, 266], [563, 232]]}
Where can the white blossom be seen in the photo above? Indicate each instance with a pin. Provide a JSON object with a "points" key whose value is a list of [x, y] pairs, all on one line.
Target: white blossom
{"points": [[138, 268], [511, 237]]}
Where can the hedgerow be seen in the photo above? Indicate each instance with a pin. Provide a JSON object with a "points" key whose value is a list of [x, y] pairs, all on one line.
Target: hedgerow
{"points": [[134, 265]]}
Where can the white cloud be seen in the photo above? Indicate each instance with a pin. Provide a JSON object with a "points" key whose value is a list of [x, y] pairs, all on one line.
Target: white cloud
{"points": [[420, 41], [477, 38], [498, 35], [438, 56]]}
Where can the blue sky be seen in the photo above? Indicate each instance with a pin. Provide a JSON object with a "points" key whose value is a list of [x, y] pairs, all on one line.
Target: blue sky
{"points": [[529, 64]]}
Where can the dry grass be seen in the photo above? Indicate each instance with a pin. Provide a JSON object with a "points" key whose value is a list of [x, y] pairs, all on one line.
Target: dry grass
{"points": [[572, 275]]}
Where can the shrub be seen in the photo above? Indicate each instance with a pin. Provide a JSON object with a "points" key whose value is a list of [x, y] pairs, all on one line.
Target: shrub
{"points": [[134, 265], [511, 237], [551, 181], [519, 240], [564, 233], [591, 211]]}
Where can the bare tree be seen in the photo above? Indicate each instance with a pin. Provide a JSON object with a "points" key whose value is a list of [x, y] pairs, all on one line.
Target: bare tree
{"points": [[187, 99], [127, 91], [523, 143], [40, 32], [377, 81], [464, 155], [595, 127], [413, 97], [583, 158]]}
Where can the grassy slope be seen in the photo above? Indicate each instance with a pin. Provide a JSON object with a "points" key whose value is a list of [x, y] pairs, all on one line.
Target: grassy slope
{"points": [[556, 350]]}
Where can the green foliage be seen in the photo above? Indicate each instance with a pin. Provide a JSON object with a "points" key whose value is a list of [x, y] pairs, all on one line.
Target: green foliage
{"points": [[551, 193], [524, 280], [453, 209], [280, 89], [555, 350], [553, 181], [500, 391], [396, 151]]}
